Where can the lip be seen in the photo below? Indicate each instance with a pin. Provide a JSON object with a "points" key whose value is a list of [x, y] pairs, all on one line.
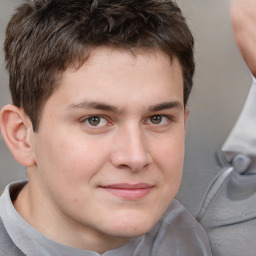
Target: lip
{"points": [[129, 191]]}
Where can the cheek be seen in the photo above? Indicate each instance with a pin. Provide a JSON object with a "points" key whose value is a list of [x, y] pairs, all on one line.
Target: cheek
{"points": [[170, 151], [170, 158], [66, 167], [77, 161]]}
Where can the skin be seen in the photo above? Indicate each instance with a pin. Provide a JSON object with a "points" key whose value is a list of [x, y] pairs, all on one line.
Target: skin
{"points": [[67, 161], [244, 24], [96, 183]]}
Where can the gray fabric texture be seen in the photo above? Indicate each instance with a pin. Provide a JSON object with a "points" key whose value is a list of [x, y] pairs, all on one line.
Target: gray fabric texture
{"points": [[177, 233], [242, 138], [228, 212], [7, 247]]}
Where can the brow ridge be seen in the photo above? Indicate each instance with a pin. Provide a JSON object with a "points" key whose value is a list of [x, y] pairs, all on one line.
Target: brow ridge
{"points": [[107, 107], [166, 105]]}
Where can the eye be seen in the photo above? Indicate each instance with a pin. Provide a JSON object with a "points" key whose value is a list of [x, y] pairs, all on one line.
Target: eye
{"points": [[158, 120], [96, 121]]}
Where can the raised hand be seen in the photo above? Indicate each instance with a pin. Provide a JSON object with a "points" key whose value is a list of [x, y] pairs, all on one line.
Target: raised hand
{"points": [[243, 14]]}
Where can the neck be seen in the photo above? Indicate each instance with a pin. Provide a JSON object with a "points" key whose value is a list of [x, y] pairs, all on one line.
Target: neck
{"points": [[59, 228]]}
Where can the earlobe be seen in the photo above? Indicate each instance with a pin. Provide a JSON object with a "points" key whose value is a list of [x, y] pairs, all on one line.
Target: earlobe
{"points": [[16, 130]]}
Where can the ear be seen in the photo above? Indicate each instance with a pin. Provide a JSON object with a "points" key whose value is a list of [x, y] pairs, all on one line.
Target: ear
{"points": [[186, 115], [17, 131]]}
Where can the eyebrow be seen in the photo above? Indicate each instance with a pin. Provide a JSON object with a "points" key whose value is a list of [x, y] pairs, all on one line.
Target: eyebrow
{"points": [[107, 107], [94, 105], [166, 105]]}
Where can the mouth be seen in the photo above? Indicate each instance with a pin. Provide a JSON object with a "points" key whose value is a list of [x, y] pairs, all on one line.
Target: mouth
{"points": [[129, 191]]}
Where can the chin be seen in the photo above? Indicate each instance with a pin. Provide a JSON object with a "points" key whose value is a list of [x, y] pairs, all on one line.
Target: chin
{"points": [[129, 233], [132, 226]]}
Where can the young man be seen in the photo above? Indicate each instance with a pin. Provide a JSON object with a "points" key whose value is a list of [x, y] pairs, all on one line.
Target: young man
{"points": [[98, 118]]}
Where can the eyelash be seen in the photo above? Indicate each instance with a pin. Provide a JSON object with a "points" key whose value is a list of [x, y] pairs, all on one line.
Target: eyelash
{"points": [[167, 118], [87, 120], [148, 121]]}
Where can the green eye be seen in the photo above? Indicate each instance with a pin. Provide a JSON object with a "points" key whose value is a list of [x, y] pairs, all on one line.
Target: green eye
{"points": [[157, 119]]}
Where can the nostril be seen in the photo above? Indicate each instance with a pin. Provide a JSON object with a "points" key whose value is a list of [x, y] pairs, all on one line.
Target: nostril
{"points": [[131, 150]]}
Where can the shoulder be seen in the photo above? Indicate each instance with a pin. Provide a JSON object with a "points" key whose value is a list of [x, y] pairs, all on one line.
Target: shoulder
{"points": [[178, 231], [7, 247], [179, 218]]}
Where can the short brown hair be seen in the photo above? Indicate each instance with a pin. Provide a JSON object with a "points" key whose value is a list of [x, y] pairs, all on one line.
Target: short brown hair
{"points": [[45, 37]]}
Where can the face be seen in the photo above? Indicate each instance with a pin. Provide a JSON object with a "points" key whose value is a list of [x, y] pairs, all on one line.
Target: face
{"points": [[110, 147]]}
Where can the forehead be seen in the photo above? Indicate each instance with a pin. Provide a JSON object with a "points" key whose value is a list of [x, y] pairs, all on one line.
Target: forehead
{"points": [[111, 74], [102, 55]]}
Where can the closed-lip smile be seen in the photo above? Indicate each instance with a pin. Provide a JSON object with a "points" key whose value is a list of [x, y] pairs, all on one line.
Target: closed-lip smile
{"points": [[129, 191]]}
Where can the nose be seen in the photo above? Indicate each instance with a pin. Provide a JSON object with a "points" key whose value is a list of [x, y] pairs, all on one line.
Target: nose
{"points": [[131, 150]]}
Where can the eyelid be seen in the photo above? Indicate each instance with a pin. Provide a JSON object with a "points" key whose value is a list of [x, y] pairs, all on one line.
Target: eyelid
{"points": [[86, 118], [168, 117]]}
